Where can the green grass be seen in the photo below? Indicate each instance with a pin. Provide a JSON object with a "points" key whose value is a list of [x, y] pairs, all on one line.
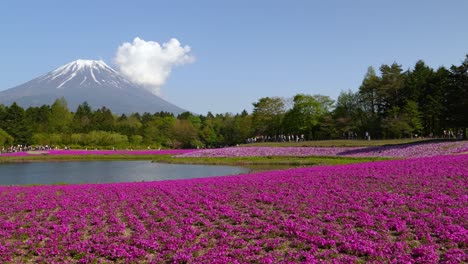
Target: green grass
{"points": [[338, 143], [265, 163], [252, 163]]}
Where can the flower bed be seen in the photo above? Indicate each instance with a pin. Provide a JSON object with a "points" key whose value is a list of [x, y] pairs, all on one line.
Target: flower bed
{"points": [[267, 151], [399, 211], [397, 151]]}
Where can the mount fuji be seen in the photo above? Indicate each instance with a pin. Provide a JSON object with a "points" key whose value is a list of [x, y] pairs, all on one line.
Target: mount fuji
{"points": [[91, 81]]}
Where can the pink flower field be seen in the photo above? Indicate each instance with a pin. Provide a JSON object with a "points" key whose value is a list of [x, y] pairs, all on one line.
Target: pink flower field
{"points": [[401, 211], [398, 151]]}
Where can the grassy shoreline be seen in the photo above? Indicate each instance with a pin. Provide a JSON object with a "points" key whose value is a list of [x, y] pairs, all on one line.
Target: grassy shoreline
{"points": [[257, 164], [254, 164]]}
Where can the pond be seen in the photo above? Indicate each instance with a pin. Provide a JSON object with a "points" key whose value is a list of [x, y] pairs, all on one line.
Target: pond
{"points": [[105, 172]]}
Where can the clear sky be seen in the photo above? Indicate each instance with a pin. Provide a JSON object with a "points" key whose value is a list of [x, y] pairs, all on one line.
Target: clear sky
{"points": [[243, 50]]}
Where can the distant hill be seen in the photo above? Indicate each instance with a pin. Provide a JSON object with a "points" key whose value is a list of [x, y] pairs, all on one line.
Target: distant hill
{"points": [[91, 81]]}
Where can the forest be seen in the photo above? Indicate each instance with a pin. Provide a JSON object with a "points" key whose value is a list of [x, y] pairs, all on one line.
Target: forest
{"points": [[390, 103]]}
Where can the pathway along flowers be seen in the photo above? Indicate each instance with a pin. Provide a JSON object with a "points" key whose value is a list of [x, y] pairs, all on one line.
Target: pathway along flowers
{"points": [[403, 211]]}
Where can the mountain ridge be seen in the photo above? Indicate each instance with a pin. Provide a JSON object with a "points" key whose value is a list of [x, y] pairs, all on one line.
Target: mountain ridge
{"points": [[92, 81]]}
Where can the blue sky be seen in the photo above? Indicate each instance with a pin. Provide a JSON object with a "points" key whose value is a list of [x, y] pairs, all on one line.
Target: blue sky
{"points": [[243, 50]]}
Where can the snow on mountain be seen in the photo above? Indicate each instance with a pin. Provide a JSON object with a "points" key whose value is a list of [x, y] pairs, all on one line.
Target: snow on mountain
{"points": [[86, 70], [87, 80]]}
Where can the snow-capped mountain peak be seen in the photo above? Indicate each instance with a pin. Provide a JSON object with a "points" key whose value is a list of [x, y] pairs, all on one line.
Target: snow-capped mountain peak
{"points": [[80, 65], [92, 81], [87, 71]]}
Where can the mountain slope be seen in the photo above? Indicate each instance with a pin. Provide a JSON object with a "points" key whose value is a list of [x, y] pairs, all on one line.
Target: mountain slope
{"points": [[91, 81]]}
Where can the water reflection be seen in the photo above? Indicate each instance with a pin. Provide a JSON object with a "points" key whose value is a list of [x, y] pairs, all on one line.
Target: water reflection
{"points": [[105, 172]]}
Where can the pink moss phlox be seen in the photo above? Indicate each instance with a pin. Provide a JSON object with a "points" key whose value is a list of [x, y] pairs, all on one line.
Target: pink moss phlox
{"points": [[397, 151], [402, 211]]}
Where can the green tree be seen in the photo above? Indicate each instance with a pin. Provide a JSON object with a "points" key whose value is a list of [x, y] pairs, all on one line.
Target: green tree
{"points": [[184, 135], [244, 121], [195, 120], [403, 122], [37, 118], [395, 125], [136, 140], [413, 115], [78, 139], [83, 118], [371, 103], [105, 138], [103, 120], [159, 130], [427, 88], [307, 114], [417, 82], [15, 124], [457, 98], [236, 129], [348, 114], [128, 125], [41, 139], [151, 133], [60, 117], [391, 87], [433, 102], [5, 138], [267, 117], [210, 132]]}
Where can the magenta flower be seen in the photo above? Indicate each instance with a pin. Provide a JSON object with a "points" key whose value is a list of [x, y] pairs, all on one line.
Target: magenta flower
{"points": [[400, 211], [397, 151]]}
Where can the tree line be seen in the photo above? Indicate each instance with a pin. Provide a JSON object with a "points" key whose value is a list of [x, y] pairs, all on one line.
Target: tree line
{"points": [[390, 103], [55, 125]]}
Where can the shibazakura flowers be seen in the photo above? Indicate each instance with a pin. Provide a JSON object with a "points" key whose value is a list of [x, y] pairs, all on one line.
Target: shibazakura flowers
{"points": [[403, 211], [396, 151]]}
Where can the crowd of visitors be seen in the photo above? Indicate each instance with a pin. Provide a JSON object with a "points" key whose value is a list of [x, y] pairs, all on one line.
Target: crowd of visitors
{"points": [[20, 148], [450, 134], [446, 134], [276, 138]]}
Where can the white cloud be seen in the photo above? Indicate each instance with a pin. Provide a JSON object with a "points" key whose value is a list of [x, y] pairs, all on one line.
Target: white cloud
{"points": [[148, 63]]}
